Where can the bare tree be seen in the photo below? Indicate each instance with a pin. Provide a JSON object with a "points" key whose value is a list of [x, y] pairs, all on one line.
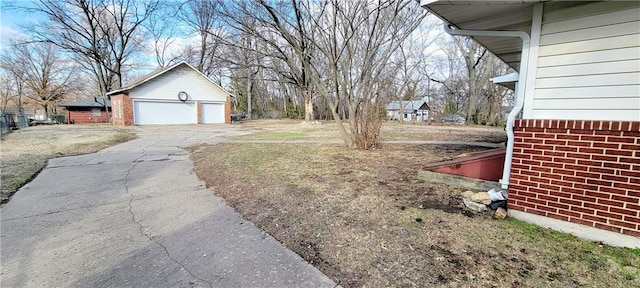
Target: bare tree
{"points": [[103, 35], [47, 77], [359, 38]]}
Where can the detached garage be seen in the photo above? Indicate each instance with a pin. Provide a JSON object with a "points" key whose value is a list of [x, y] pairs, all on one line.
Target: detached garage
{"points": [[178, 94]]}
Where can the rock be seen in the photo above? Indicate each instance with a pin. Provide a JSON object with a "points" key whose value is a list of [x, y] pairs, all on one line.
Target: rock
{"points": [[468, 194], [500, 213], [481, 197], [473, 206]]}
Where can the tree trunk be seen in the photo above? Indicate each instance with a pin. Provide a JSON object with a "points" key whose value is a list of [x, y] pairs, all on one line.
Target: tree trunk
{"points": [[308, 107]]}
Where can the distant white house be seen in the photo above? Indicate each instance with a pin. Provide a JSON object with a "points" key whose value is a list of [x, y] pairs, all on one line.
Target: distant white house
{"points": [[416, 110]]}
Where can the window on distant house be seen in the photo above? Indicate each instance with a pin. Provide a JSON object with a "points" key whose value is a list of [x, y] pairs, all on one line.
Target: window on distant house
{"points": [[95, 111]]}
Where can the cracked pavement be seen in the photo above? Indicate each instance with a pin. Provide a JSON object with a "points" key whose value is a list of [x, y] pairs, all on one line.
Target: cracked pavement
{"points": [[136, 215]]}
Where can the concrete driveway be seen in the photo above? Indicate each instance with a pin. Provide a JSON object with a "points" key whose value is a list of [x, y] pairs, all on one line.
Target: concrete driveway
{"points": [[136, 215]]}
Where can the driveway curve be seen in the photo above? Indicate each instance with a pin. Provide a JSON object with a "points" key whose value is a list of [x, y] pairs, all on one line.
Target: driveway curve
{"points": [[136, 215]]}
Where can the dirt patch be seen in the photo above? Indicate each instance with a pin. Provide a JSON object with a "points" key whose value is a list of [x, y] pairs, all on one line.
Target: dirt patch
{"points": [[366, 220], [25, 152]]}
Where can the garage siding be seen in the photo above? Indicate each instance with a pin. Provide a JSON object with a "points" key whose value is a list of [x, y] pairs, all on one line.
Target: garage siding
{"points": [[150, 113]]}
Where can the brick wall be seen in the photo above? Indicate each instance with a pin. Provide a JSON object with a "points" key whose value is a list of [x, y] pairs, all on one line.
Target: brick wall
{"points": [[122, 110], [585, 172], [227, 111], [85, 115]]}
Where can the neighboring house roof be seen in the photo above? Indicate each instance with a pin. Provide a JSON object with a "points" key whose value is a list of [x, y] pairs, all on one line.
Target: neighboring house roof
{"points": [[89, 102], [407, 105], [146, 78]]}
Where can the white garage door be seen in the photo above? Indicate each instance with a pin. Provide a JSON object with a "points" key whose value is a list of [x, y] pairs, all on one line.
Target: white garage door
{"points": [[147, 112], [212, 113]]}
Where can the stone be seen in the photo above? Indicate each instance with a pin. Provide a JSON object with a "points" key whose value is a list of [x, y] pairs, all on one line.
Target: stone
{"points": [[468, 194], [481, 197], [473, 206], [500, 213]]}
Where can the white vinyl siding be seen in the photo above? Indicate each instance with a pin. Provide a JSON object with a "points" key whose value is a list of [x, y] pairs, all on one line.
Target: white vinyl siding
{"points": [[588, 64], [182, 78], [153, 112]]}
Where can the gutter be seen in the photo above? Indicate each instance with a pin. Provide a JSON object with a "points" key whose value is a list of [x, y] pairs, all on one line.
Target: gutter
{"points": [[520, 89]]}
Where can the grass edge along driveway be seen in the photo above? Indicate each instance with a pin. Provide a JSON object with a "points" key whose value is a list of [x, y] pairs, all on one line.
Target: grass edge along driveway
{"points": [[25, 152]]}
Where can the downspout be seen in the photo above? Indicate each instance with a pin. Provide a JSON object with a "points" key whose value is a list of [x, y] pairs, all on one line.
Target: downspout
{"points": [[520, 89]]}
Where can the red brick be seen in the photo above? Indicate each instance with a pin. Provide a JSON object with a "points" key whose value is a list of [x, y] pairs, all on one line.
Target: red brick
{"points": [[619, 152], [633, 187], [606, 145], [569, 213], [631, 134], [573, 179], [581, 221], [539, 180], [622, 224], [632, 219], [590, 163], [542, 147], [607, 227], [617, 166], [625, 126], [546, 208], [582, 210], [515, 207], [554, 142], [558, 205], [623, 211], [598, 195], [586, 187], [630, 160], [557, 131], [613, 190], [627, 200], [564, 172], [567, 148], [631, 232], [532, 152], [609, 215], [608, 133], [611, 203], [537, 202], [560, 183], [530, 173], [543, 169], [599, 182], [582, 132], [548, 198], [548, 187], [615, 126], [634, 147], [544, 135], [580, 143], [635, 207], [565, 160], [576, 167], [553, 153], [593, 138], [621, 140], [591, 150], [522, 145], [633, 193], [601, 170], [567, 137], [571, 202], [531, 163], [572, 191], [604, 158], [594, 218], [559, 217]]}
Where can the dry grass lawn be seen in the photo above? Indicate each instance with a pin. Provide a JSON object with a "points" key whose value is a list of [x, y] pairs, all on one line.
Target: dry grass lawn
{"points": [[25, 152], [364, 219]]}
